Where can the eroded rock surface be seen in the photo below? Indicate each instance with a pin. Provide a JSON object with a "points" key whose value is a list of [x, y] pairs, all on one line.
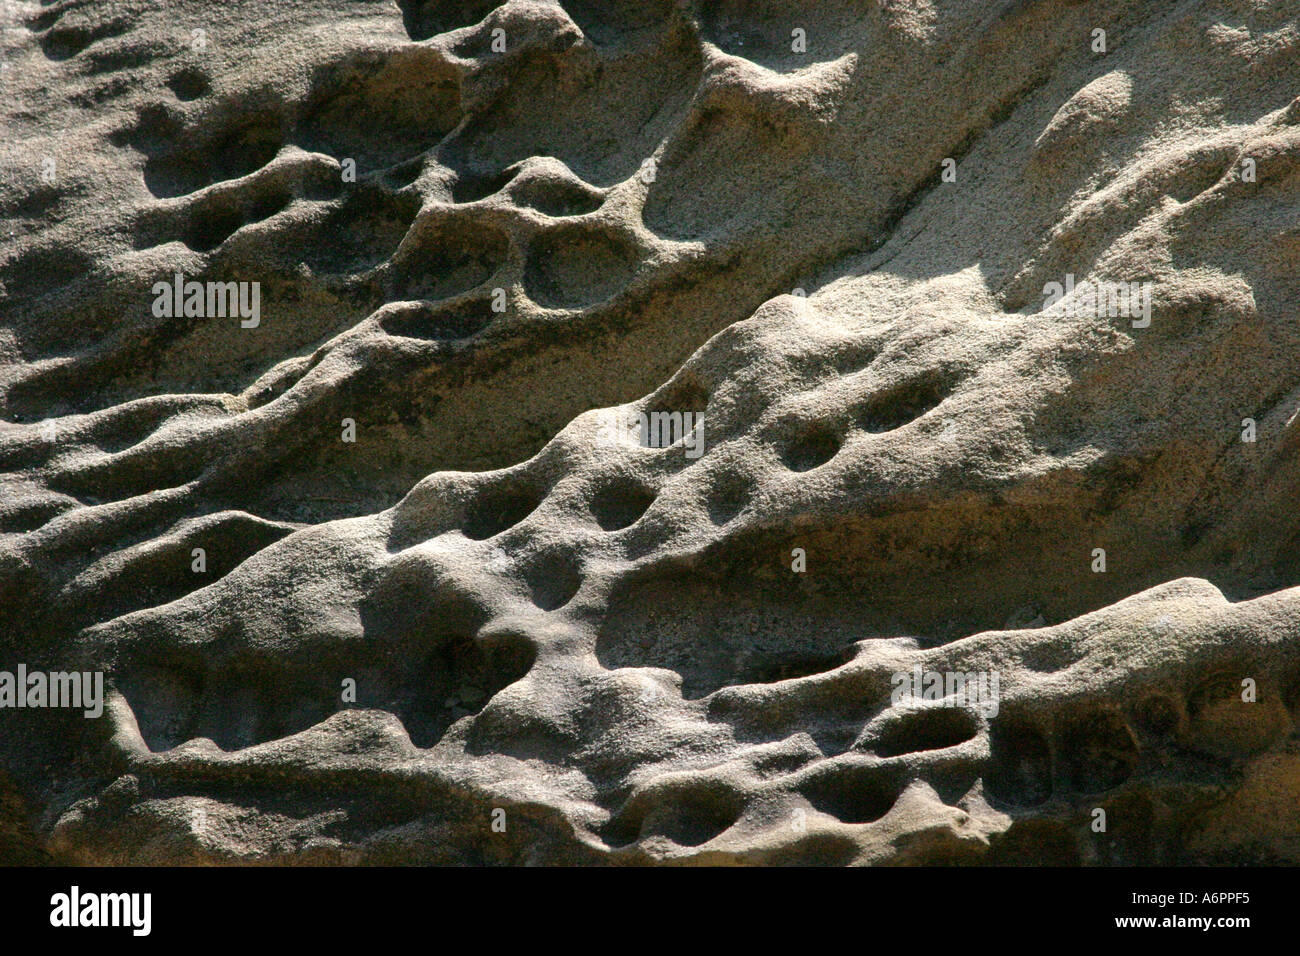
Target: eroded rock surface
{"points": [[824, 230]]}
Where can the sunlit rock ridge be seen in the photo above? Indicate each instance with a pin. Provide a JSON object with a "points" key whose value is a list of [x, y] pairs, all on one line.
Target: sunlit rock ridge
{"points": [[563, 431]]}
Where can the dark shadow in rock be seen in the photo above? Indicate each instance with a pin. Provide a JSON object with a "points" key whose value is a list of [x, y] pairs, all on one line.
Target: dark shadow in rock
{"points": [[360, 233], [620, 502], [930, 728], [447, 321], [1096, 751], [854, 794], [425, 19], [189, 84], [1021, 774], [816, 444], [447, 258], [380, 110], [552, 579], [499, 507], [556, 197], [1035, 843], [576, 266], [897, 405], [242, 147]]}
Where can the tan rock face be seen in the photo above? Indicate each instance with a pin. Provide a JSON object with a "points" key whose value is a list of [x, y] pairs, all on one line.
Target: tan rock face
{"points": [[652, 432]]}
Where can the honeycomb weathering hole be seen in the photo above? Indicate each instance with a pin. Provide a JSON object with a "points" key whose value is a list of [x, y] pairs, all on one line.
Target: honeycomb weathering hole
{"points": [[226, 704], [455, 680], [552, 580], [813, 447], [364, 230], [211, 227], [712, 629], [689, 816], [897, 405], [424, 19], [415, 100], [779, 34], [558, 198], [854, 794], [728, 495], [444, 259], [498, 509], [682, 395], [934, 728], [471, 186], [189, 84], [456, 320], [574, 268], [620, 503], [231, 152]]}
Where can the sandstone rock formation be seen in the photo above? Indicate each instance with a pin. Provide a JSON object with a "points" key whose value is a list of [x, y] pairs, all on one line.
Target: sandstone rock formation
{"points": [[492, 241]]}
